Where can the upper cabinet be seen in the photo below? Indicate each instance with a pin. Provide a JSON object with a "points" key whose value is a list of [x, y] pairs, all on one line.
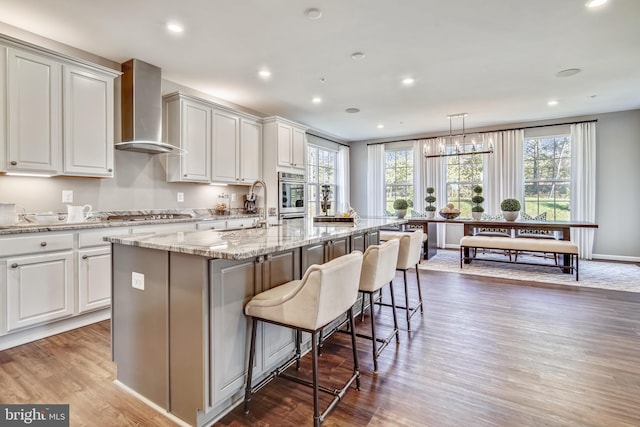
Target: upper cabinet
{"points": [[187, 125], [88, 123], [34, 111], [218, 144], [289, 142], [59, 115]]}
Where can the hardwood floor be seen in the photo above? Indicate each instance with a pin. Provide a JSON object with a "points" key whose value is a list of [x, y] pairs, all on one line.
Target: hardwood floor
{"points": [[486, 352]]}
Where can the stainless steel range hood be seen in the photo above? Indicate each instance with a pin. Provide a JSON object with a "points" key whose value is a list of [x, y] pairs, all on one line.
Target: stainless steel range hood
{"points": [[142, 109]]}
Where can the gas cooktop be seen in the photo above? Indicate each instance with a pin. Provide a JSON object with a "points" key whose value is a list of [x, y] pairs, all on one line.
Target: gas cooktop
{"points": [[146, 217]]}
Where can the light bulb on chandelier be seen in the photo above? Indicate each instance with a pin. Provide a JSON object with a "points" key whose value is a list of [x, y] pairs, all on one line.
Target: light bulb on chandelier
{"points": [[458, 146]]}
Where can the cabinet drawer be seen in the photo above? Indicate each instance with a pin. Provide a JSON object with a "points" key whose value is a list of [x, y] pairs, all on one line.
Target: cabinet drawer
{"points": [[240, 222], [211, 225], [35, 244], [94, 237]]}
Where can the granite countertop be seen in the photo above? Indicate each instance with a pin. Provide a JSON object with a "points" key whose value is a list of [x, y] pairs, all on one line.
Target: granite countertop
{"points": [[247, 243], [100, 220]]}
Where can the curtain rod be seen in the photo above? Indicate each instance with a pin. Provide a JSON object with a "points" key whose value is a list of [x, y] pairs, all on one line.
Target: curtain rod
{"points": [[488, 131], [330, 140]]}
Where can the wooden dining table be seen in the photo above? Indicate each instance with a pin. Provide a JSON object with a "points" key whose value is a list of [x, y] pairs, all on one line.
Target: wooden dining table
{"points": [[470, 225]]}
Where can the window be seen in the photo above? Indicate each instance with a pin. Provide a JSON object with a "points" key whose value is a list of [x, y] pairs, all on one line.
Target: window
{"points": [[322, 165], [547, 177], [463, 173], [398, 172]]}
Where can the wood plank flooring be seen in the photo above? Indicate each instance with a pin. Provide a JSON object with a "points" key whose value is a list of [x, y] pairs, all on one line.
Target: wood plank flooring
{"points": [[486, 352]]}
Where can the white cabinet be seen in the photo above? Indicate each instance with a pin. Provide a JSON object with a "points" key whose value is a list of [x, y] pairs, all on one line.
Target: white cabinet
{"points": [[240, 222], [3, 109], [94, 278], [38, 278], [187, 125], [88, 123], [211, 225], [226, 147], [59, 113], [34, 111], [250, 150], [290, 145]]}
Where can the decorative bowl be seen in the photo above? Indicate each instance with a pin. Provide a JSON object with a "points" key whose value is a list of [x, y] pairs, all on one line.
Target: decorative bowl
{"points": [[449, 215]]}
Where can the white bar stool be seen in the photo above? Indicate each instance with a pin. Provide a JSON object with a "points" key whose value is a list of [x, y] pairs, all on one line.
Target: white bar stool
{"points": [[324, 293], [379, 269], [408, 257]]}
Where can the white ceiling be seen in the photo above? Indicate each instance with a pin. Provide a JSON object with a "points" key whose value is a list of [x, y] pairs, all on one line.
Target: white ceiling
{"points": [[493, 59]]}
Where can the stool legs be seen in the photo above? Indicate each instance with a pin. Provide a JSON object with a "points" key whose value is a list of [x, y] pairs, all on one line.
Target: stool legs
{"points": [[252, 351], [314, 362]]}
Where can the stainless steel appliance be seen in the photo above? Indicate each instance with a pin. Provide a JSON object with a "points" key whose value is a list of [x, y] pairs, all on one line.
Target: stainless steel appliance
{"points": [[292, 193]]}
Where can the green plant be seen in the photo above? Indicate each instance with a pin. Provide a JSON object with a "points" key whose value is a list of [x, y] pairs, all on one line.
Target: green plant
{"points": [[510, 205], [400, 204], [477, 199], [430, 199]]}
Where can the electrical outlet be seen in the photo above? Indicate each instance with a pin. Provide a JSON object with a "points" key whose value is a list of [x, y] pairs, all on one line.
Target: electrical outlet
{"points": [[67, 196], [180, 197], [137, 280], [233, 197]]}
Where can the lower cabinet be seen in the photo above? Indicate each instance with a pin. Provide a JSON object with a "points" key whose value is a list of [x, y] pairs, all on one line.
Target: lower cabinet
{"points": [[94, 278], [39, 289], [233, 284]]}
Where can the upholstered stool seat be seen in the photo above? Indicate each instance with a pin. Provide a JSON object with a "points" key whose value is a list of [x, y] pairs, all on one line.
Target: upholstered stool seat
{"points": [[378, 270], [409, 257], [324, 293]]}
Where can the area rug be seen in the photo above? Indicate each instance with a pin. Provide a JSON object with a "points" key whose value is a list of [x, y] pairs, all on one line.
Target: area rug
{"points": [[593, 274]]}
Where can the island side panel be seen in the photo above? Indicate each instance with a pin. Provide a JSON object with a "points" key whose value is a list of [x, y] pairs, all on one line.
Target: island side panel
{"points": [[140, 320], [189, 335]]}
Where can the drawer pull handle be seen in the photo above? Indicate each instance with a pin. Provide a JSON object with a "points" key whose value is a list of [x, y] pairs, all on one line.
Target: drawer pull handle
{"points": [[43, 244], [14, 265], [109, 170], [85, 256], [13, 163]]}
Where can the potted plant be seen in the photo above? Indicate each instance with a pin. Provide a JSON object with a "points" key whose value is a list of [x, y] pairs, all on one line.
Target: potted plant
{"points": [[510, 209], [476, 211], [400, 205], [430, 210]]}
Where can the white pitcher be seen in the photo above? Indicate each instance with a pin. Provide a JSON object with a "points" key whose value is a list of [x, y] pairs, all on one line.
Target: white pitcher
{"points": [[78, 213], [8, 214]]}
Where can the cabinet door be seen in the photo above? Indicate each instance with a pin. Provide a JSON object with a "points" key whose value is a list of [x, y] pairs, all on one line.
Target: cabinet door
{"points": [[88, 123], [313, 254], [298, 149], [39, 289], [250, 151], [195, 139], [278, 341], [338, 248], [34, 112], [232, 286], [3, 109], [285, 136], [226, 141], [94, 278]]}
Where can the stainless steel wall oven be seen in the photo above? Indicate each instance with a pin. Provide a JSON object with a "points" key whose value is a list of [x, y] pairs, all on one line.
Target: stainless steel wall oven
{"points": [[292, 193]]}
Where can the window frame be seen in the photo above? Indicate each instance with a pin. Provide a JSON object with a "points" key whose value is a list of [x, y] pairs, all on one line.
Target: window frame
{"points": [[409, 185], [314, 187]]}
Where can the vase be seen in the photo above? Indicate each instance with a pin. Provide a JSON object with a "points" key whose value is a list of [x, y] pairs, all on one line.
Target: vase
{"points": [[400, 213], [477, 216], [510, 215], [430, 214]]}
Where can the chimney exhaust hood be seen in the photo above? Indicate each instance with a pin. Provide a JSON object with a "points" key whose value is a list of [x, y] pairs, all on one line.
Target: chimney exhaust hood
{"points": [[142, 109]]}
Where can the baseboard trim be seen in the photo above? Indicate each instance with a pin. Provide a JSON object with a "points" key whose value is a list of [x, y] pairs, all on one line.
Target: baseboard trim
{"points": [[13, 339]]}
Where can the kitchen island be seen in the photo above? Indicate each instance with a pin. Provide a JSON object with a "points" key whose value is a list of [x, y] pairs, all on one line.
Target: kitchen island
{"points": [[179, 334]]}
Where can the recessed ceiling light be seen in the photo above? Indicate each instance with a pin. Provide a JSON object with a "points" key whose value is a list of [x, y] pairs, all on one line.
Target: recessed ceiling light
{"points": [[357, 56], [595, 3], [352, 110], [568, 72], [316, 100], [380, 126], [408, 81], [313, 13], [552, 103], [265, 74], [174, 27]]}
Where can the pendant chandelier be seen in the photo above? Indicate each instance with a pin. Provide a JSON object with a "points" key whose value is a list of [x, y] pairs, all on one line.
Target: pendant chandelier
{"points": [[460, 145]]}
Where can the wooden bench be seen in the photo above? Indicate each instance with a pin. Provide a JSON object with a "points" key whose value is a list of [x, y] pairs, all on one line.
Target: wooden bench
{"points": [[558, 247]]}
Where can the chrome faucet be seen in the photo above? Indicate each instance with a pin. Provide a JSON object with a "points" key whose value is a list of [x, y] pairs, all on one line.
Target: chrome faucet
{"points": [[265, 221]]}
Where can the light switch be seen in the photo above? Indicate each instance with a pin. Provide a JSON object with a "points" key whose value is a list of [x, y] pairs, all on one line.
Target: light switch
{"points": [[137, 280], [67, 196], [233, 197], [180, 196]]}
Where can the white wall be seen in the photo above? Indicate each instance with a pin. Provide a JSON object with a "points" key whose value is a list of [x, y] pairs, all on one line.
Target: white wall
{"points": [[618, 172]]}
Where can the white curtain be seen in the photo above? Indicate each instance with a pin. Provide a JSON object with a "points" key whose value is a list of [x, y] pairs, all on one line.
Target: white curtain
{"points": [[435, 174], [583, 184], [418, 174], [504, 169], [342, 177], [375, 180]]}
